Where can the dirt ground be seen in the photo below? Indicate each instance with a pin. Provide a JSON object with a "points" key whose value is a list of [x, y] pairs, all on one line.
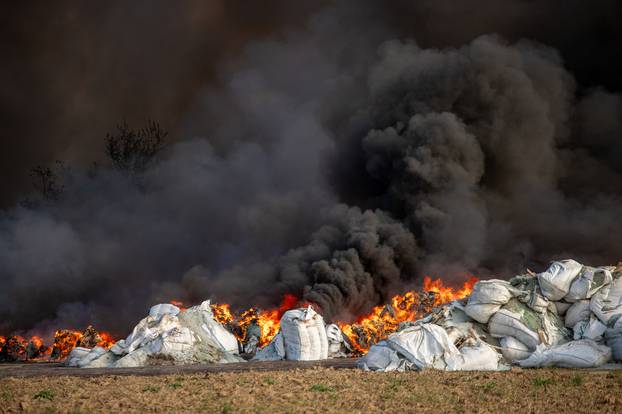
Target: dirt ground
{"points": [[321, 390]]}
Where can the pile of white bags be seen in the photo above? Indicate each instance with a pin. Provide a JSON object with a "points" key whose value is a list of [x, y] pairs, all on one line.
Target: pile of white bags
{"points": [[447, 339], [569, 316], [487, 298], [166, 336], [303, 337]]}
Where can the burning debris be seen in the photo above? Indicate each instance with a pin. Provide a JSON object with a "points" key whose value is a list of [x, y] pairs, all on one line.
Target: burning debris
{"points": [[568, 316], [254, 330], [13, 349], [384, 320], [16, 348], [175, 334]]}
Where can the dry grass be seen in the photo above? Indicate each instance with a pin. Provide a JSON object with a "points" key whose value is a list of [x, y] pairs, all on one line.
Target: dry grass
{"points": [[320, 390]]}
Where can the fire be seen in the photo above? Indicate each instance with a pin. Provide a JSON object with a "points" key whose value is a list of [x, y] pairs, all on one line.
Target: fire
{"points": [[262, 324], [383, 320], [107, 341], [15, 347], [366, 331], [222, 313], [269, 321], [64, 341], [445, 294]]}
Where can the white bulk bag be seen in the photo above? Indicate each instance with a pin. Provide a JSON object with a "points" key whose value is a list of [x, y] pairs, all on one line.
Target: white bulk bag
{"points": [[94, 354], [225, 339], [529, 292], [76, 355], [157, 311], [481, 357], [304, 335], [149, 329], [606, 304], [590, 280], [613, 338], [553, 331], [138, 358], [512, 349], [119, 348], [335, 340], [591, 328], [176, 343], [424, 345], [536, 300], [275, 350], [579, 311], [214, 329], [556, 280], [381, 357], [562, 307], [487, 298], [105, 360], [616, 347], [583, 353], [507, 323]]}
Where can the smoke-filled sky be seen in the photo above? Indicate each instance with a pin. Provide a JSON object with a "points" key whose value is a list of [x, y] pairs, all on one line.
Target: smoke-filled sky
{"points": [[337, 150]]}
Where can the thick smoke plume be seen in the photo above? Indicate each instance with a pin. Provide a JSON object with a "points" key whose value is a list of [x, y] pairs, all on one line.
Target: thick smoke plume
{"points": [[342, 163]]}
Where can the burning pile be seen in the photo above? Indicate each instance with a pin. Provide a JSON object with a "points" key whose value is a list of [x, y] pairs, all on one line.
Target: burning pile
{"points": [[18, 348], [255, 328], [384, 320], [569, 316]]}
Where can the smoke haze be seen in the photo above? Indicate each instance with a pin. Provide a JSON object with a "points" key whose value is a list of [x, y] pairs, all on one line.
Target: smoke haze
{"points": [[339, 153]]}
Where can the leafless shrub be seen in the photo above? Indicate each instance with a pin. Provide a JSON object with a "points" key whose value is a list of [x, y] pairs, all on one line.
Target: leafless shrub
{"points": [[132, 150]]}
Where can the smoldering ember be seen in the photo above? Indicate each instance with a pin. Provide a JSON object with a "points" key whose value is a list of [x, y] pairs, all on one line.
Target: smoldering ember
{"points": [[414, 187]]}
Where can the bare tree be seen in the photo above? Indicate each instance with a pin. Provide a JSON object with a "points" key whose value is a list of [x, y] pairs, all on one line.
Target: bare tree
{"points": [[130, 150], [47, 181]]}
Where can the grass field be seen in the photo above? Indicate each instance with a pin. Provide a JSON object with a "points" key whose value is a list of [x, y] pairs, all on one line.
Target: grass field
{"points": [[321, 390]]}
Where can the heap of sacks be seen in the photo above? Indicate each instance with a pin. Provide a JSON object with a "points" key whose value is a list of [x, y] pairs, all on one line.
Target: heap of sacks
{"points": [[568, 316], [169, 335]]}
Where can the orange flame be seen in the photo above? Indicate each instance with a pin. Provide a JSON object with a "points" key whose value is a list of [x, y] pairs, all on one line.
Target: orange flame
{"points": [[222, 313], [384, 320], [445, 294], [268, 321], [107, 340], [64, 341]]}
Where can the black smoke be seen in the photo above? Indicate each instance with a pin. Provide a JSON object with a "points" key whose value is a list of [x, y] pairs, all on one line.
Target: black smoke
{"points": [[71, 70], [341, 161]]}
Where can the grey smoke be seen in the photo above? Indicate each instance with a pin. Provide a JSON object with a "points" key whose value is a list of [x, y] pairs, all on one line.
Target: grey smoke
{"points": [[341, 164]]}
